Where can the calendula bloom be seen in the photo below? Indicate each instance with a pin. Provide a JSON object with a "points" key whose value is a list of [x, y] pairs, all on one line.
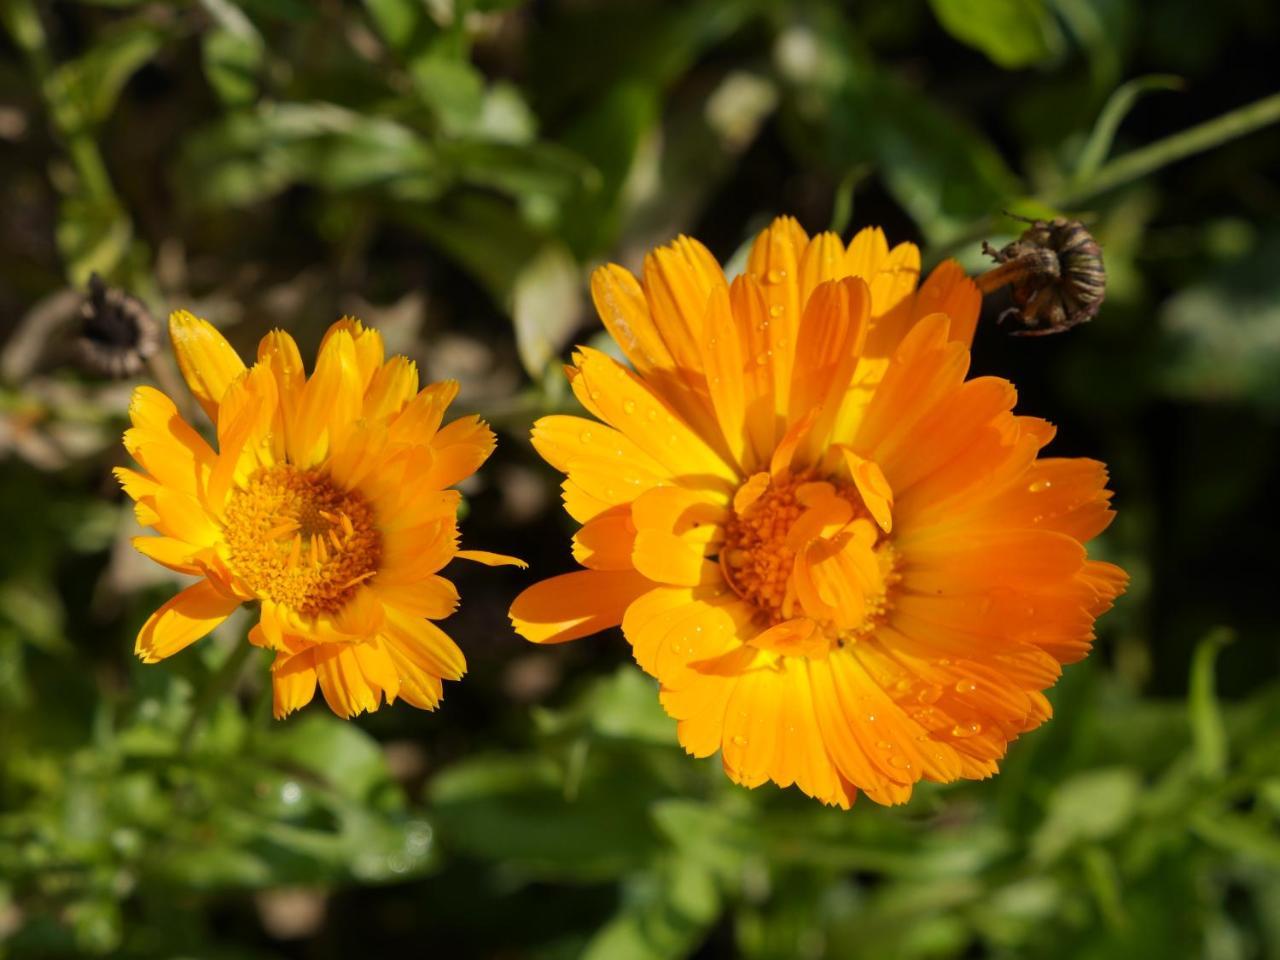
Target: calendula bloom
{"points": [[325, 502], [843, 561]]}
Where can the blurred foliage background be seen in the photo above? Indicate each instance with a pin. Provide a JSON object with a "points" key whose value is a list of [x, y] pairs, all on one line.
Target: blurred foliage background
{"points": [[450, 170]]}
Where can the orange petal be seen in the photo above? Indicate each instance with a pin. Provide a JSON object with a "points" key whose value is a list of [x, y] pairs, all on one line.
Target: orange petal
{"points": [[183, 620], [576, 604], [293, 681], [207, 361], [491, 559]]}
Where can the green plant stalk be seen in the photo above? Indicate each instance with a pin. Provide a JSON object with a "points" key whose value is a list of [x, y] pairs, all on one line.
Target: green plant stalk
{"points": [[219, 684], [1135, 165], [1138, 163]]}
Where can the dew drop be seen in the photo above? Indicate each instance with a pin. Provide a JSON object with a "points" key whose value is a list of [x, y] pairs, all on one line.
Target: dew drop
{"points": [[871, 718], [884, 745], [962, 731], [629, 406], [739, 740], [585, 436], [903, 685], [775, 310], [929, 693], [965, 686], [774, 276], [653, 414], [900, 762], [1039, 486], [762, 359]]}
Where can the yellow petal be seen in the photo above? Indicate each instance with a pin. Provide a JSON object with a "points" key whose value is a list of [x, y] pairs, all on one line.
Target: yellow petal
{"points": [[435, 597], [293, 681], [421, 645], [207, 361], [393, 385], [183, 620], [368, 343]]}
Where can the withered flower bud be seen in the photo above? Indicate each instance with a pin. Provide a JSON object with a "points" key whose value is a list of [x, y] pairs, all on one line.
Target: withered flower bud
{"points": [[118, 334], [1057, 275]]}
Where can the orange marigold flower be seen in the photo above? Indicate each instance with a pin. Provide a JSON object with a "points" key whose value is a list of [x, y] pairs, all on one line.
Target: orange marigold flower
{"points": [[842, 560], [325, 501]]}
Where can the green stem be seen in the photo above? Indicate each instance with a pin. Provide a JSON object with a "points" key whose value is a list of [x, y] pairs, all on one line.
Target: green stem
{"points": [[1138, 163], [1134, 165], [219, 684]]}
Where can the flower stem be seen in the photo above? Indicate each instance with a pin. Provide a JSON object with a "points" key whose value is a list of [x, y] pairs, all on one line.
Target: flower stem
{"points": [[1138, 163], [220, 683]]}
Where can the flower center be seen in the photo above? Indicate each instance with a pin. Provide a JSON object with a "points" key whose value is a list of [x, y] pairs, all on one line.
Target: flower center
{"points": [[297, 538], [755, 557], [800, 547]]}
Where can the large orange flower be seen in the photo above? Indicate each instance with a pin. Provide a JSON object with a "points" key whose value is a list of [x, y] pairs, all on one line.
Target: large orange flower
{"points": [[842, 560], [325, 502]]}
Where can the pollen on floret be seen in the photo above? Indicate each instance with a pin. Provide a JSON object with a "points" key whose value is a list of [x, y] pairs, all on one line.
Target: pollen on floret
{"points": [[295, 537]]}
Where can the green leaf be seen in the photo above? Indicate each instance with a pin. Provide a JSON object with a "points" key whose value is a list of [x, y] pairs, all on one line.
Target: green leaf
{"points": [[94, 235], [83, 92], [1222, 335], [666, 914], [514, 810], [251, 156], [944, 173], [1113, 113], [547, 307], [339, 752], [1090, 806], [622, 707], [1013, 33], [1208, 735], [233, 53]]}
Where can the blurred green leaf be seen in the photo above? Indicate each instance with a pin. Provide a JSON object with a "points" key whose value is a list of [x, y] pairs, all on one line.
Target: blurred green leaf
{"points": [[1088, 807], [622, 707], [666, 913], [514, 809], [1208, 735], [547, 307], [1013, 33], [233, 53], [1223, 333], [1113, 113], [942, 172], [250, 156], [84, 91], [94, 235]]}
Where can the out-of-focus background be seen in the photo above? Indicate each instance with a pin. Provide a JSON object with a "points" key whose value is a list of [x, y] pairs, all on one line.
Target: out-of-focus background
{"points": [[450, 170]]}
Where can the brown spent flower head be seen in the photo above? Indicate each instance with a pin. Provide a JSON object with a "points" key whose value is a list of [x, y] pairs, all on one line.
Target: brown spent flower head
{"points": [[118, 334], [1057, 275]]}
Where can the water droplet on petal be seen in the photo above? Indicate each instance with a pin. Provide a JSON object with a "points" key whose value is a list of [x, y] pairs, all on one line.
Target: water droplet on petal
{"points": [[739, 740], [884, 745], [775, 310], [774, 276], [900, 762], [1039, 486], [929, 693], [965, 686], [629, 406], [963, 730], [585, 436]]}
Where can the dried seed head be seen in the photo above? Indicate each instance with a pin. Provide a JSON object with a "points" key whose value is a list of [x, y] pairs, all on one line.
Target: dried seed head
{"points": [[118, 334], [1057, 275]]}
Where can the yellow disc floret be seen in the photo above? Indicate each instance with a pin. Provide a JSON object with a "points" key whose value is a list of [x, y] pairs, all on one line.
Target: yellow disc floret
{"points": [[295, 537]]}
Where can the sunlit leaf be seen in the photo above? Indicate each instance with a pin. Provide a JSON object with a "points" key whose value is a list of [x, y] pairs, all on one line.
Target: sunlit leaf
{"points": [[1013, 33]]}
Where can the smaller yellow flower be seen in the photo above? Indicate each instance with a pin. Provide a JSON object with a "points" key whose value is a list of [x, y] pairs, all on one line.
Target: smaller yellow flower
{"points": [[325, 501]]}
